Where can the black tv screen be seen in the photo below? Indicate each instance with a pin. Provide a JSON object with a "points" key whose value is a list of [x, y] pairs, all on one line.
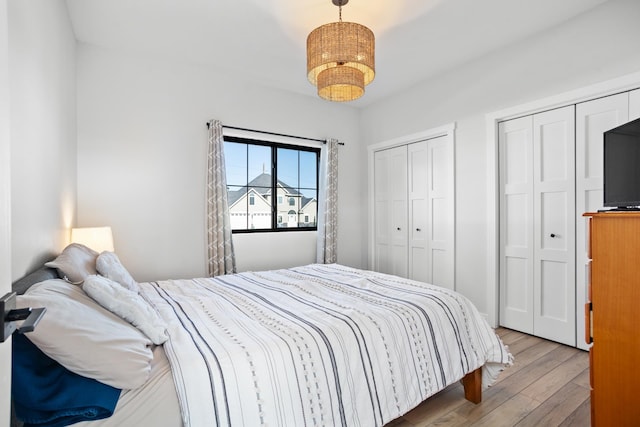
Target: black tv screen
{"points": [[622, 166]]}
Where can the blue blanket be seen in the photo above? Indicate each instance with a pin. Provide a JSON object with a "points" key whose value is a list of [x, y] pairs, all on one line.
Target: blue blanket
{"points": [[47, 394]]}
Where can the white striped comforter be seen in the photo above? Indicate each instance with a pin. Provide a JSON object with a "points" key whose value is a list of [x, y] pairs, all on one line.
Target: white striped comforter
{"points": [[320, 345]]}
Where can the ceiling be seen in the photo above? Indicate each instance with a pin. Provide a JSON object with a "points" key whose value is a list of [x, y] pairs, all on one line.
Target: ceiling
{"points": [[265, 40]]}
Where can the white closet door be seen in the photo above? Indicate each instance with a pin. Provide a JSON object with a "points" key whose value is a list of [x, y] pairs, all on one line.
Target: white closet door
{"points": [[516, 219], [440, 206], [593, 118], [390, 200], [554, 283], [634, 104], [537, 235], [420, 266]]}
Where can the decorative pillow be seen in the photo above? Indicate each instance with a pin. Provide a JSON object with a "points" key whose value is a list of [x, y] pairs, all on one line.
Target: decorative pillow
{"points": [[128, 305], [85, 338], [108, 265], [75, 263]]}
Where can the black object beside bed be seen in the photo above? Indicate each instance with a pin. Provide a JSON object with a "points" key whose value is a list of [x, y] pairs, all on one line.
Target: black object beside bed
{"points": [[20, 286]]}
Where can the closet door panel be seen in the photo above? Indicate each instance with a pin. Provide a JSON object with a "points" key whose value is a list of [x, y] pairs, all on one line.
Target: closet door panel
{"points": [[516, 231], [382, 209], [419, 266], [554, 233], [398, 189], [390, 202], [593, 118], [440, 195]]}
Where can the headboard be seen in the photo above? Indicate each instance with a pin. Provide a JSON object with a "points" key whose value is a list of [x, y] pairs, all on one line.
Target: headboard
{"points": [[43, 273]]}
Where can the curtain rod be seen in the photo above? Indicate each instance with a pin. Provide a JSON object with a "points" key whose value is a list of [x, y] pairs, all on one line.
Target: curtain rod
{"points": [[324, 141]]}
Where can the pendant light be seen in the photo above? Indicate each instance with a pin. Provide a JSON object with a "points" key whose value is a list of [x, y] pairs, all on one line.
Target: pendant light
{"points": [[341, 58]]}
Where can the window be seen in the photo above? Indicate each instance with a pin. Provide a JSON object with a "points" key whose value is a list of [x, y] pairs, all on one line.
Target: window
{"points": [[260, 173]]}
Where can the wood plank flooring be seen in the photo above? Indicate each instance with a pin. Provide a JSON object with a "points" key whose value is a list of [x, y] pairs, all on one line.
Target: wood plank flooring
{"points": [[548, 385]]}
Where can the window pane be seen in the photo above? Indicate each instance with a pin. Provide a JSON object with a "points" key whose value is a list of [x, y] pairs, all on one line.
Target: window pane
{"points": [[288, 167], [259, 215], [308, 169], [237, 207], [235, 159], [260, 165], [308, 208]]}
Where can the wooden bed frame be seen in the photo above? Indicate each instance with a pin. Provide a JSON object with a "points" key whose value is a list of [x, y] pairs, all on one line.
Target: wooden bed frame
{"points": [[472, 383]]}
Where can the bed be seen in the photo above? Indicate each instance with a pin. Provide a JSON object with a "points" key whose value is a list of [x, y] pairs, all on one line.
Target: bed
{"points": [[312, 345]]}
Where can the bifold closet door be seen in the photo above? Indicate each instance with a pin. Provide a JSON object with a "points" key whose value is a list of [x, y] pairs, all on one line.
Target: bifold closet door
{"points": [[414, 211], [516, 223], [537, 233], [390, 204], [431, 216], [441, 212], [554, 225]]}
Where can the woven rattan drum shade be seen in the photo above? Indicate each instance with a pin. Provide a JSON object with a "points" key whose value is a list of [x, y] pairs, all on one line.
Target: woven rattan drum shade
{"points": [[341, 60], [340, 84]]}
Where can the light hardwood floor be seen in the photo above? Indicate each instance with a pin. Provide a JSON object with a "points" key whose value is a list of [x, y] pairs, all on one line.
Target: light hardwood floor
{"points": [[548, 385]]}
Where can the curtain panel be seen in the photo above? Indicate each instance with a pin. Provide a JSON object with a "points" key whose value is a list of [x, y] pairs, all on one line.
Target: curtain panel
{"points": [[327, 249], [221, 257]]}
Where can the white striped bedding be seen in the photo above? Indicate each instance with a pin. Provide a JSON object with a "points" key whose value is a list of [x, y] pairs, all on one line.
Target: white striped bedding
{"points": [[319, 345]]}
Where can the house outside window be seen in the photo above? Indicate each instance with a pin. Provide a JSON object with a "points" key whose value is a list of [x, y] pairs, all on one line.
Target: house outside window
{"points": [[260, 172]]}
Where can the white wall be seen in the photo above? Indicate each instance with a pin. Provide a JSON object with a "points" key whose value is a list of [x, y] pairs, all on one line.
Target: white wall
{"points": [[37, 143], [142, 161], [43, 130], [596, 46], [5, 208]]}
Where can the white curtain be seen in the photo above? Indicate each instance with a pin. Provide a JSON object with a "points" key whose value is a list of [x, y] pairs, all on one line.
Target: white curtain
{"points": [[221, 259], [328, 204]]}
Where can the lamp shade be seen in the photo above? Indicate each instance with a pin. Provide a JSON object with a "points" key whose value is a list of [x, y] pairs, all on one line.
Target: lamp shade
{"points": [[341, 60], [97, 238]]}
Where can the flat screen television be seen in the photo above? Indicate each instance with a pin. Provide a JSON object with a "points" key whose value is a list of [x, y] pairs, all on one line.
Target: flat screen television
{"points": [[622, 167]]}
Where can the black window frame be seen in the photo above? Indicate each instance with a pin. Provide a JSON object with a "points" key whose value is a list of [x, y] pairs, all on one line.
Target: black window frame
{"points": [[274, 146]]}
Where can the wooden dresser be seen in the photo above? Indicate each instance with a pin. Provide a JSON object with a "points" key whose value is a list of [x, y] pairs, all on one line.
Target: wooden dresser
{"points": [[613, 318]]}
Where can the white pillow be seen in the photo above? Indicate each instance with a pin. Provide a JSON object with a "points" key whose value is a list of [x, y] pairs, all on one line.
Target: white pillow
{"points": [[85, 338], [75, 263], [128, 305], [108, 265]]}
